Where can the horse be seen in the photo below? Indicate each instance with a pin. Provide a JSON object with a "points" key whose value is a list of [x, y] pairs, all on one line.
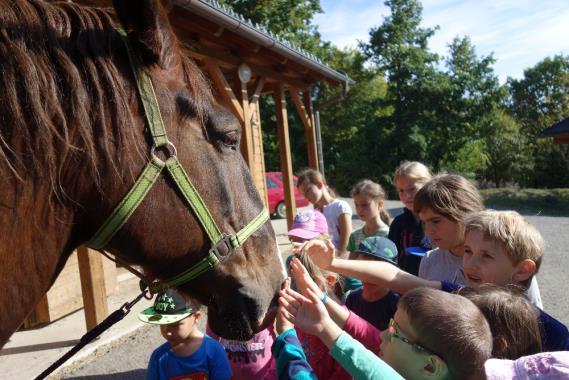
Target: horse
{"points": [[74, 138]]}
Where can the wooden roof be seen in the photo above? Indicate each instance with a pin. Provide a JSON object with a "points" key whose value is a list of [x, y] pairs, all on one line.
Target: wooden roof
{"points": [[559, 131]]}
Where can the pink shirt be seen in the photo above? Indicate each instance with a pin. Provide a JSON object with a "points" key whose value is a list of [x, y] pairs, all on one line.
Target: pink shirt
{"points": [[363, 331], [251, 359]]}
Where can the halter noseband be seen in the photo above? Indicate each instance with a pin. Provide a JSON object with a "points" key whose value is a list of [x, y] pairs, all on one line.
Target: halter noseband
{"points": [[223, 245]]}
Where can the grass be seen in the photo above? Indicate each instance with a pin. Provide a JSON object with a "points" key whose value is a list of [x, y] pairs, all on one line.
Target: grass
{"points": [[554, 202]]}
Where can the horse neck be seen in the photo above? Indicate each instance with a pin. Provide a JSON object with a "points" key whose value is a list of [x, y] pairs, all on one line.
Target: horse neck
{"points": [[34, 245]]}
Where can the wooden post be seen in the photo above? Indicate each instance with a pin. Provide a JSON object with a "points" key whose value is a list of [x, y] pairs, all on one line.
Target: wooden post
{"points": [[311, 133], [246, 138], [284, 150], [92, 286]]}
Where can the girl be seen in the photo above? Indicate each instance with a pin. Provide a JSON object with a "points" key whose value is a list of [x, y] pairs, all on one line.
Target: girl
{"points": [[406, 229], [368, 198], [308, 225], [338, 213], [441, 204]]}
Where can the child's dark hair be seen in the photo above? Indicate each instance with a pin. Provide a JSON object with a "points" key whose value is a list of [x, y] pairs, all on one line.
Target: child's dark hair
{"points": [[513, 321], [450, 195], [374, 191], [452, 327]]}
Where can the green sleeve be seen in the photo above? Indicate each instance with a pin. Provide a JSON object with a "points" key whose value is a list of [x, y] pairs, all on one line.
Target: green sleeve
{"points": [[359, 361], [351, 243]]}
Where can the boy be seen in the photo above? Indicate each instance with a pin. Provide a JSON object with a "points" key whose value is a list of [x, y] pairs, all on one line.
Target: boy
{"points": [[501, 248], [187, 352], [416, 345], [374, 303]]}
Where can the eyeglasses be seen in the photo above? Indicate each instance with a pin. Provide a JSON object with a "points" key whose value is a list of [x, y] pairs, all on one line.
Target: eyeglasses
{"points": [[393, 330]]}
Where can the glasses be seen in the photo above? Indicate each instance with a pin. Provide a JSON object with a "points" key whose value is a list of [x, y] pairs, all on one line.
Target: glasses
{"points": [[393, 330]]}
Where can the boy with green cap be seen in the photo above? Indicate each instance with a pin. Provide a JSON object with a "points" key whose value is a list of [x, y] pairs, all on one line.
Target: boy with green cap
{"points": [[374, 303], [188, 353]]}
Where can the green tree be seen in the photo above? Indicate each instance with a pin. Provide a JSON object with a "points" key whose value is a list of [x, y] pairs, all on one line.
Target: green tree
{"points": [[399, 48], [538, 100]]}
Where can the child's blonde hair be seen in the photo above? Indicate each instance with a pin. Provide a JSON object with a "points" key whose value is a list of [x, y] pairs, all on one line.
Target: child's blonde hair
{"points": [[415, 170], [374, 191], [450, 195], [520, 240]]}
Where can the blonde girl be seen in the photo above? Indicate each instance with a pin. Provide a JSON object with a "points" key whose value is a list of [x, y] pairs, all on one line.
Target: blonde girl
{"points": [[338, 213], [406, 229], [369, 198]]}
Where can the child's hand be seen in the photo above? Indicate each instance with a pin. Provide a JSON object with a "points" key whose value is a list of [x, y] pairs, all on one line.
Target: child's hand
{"points": [[307, 313], [321, 252], [302, 278], [282, 324]]}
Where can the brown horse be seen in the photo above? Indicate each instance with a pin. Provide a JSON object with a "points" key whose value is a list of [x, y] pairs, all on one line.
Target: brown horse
{"points": [[73, 140]]}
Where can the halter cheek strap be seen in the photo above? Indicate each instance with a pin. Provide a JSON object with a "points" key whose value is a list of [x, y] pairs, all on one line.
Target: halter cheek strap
{"points": [[223, 245]]}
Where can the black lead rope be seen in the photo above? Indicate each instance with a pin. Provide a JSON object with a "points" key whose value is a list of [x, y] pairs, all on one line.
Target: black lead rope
{"points": [[116, 316]]}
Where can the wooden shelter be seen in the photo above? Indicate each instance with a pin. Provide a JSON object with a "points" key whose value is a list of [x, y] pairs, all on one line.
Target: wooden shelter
{"points": [[559, 131], [243, 61]]}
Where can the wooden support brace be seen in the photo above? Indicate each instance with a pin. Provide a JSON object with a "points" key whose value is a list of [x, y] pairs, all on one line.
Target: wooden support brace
{"points": [[246, 138], [224, 89], [300, 109], [92, 286]]}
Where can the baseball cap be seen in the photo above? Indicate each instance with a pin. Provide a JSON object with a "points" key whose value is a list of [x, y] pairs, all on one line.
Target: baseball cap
{"points": [[308, 224], [542, 366], [169, 307], [380, 248]]}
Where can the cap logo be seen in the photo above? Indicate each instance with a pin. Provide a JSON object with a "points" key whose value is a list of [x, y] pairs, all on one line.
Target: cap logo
{"points": [[303, 217], [164, 303], [388, 251]]}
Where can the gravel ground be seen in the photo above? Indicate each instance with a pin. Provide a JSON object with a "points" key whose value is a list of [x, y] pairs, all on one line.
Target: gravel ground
{"points": [[128, 357]]}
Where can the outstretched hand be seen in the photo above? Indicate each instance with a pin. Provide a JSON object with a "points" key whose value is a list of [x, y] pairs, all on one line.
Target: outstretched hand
{"points": [[307, 313], [302, 278], [282, 324], [321, 252]]}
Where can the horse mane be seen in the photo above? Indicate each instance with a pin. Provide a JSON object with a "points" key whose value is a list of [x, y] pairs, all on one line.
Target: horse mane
{"points": [[65, 106]]}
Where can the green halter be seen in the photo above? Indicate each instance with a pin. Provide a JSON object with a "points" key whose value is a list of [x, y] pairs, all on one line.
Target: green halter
{"points": [[148, 177]]}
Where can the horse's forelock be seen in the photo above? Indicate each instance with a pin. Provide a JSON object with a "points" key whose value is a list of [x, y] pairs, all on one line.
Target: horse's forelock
{"points": [[63, 97]]}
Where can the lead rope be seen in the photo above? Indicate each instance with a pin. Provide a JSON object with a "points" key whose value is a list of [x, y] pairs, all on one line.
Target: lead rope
{"points": [[113, 318]]}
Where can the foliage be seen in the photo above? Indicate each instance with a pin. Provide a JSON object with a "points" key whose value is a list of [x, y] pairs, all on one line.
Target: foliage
{"points": [[408, 103], [532, 201]]}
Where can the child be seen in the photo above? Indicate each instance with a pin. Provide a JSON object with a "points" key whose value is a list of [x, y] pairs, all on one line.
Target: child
{"points": [[501, 248], [374, 303], [338, 213], [406, 229], [441, 203], [543, 366], [368, 198], [515, 329], [416, 345], [187, 352]]}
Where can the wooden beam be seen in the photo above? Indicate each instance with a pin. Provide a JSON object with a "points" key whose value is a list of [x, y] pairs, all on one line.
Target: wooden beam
{"points": [[258, 89], [246, 136], [310, 134], [561, 139], [92, 286], [300, 108], [224, 89], [285, 156]]}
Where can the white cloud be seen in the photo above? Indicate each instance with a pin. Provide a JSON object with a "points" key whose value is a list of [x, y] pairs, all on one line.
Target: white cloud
{"points": [[520, 33]]}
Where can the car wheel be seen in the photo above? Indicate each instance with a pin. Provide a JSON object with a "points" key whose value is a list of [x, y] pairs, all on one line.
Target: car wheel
{"points": [[281, 210]]}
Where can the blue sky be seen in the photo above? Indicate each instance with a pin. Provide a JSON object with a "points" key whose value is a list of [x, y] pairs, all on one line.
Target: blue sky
{"points": [[520, 33]]}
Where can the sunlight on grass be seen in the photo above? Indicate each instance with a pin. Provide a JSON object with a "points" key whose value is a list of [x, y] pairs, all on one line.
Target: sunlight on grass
{"points": [[534, 201]]}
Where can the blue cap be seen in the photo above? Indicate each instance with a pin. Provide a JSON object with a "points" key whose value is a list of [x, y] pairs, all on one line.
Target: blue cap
{"points": [[380, 248]]}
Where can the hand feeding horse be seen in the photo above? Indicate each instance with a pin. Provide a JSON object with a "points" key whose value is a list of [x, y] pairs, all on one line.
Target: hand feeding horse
{"points": [[74, 139]]}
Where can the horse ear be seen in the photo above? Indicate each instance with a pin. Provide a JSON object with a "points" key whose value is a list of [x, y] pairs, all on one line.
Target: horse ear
{"points": [[147, 23]]}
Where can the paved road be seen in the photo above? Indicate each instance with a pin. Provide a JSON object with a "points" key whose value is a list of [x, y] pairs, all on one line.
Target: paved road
{"points": [[127, 358]]}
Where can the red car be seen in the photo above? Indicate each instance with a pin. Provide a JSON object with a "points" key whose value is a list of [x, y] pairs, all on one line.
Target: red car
{"points": [[275, 191]]}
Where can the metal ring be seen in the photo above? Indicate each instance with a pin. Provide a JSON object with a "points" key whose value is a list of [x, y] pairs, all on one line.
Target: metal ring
{"points": [[169, 147]]}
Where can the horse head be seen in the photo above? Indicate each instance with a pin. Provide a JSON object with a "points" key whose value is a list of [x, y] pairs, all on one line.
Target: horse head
{"points": [[102, 144]]}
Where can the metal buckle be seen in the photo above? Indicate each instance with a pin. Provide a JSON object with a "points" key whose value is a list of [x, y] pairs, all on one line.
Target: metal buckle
{"points": [[226, 240]]}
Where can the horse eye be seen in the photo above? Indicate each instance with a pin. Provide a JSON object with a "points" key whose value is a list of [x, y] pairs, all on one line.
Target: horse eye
{"points": [[230, 139]]}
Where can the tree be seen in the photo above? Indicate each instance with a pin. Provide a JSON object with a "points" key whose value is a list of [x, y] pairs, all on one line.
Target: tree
{"points": [[538, 100]]}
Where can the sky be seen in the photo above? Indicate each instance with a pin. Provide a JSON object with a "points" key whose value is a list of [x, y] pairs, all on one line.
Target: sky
{"points": [[519, 33]]}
